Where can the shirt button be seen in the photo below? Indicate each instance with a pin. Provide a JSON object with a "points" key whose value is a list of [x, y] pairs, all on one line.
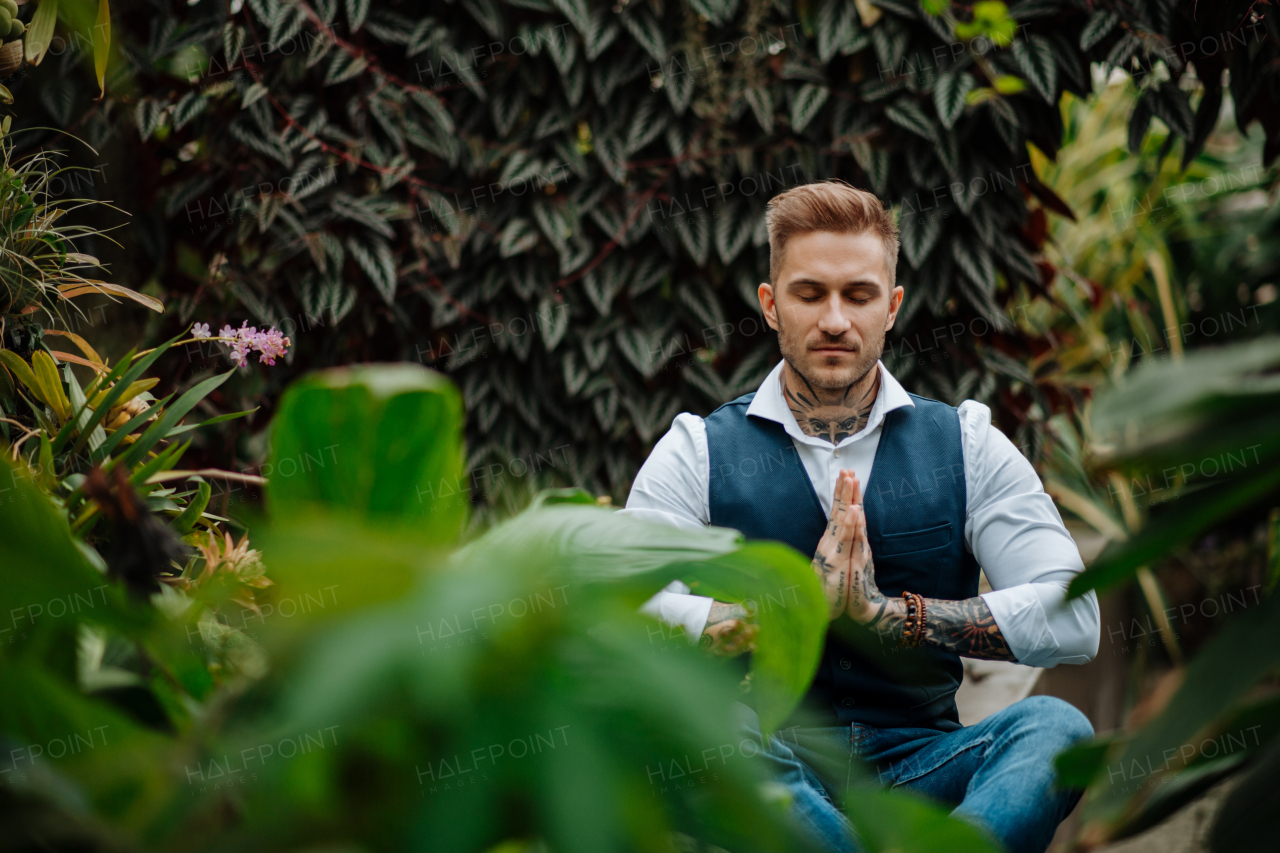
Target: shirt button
{"points": [[837, 454], [847, 702], [845, 663]]}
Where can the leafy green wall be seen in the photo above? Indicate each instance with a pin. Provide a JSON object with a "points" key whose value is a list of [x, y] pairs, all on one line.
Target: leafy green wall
{"points": [[560, 203]]}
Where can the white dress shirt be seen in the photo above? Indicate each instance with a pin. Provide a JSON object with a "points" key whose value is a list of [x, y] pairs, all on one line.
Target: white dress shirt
{"points": [[1011, 526]]}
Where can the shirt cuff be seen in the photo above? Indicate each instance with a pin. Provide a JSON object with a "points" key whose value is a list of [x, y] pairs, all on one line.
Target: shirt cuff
{"points": [[1023, 624], [676, 607]]}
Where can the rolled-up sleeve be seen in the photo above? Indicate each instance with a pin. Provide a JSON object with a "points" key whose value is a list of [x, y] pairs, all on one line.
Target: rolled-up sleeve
{"points": [[1016, 534], [671, 488]]}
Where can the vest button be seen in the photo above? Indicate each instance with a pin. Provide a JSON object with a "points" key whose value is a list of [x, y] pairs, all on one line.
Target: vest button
{"points": [[847, 702], [845, 663]]}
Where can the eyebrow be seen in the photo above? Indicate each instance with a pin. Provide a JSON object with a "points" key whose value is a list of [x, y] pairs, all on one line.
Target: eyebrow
{"points": [[801, 282]]}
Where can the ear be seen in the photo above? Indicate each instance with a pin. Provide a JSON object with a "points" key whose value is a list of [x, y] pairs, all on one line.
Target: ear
{"points": [[768, 306], [895, 302]]}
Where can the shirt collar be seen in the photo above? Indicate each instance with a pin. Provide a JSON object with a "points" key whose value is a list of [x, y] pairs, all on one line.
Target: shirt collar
{"points": [[771, 405]]}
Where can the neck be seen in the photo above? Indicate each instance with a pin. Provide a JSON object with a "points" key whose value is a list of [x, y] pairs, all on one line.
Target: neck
{"points": [[833, 414]]}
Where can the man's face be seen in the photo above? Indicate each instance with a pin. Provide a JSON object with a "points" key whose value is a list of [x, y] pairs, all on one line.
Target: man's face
{"points": [[832, 305]]}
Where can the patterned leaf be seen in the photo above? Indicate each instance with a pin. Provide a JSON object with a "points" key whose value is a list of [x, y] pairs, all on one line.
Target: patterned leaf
{"points": [[1122, 51], [603, 31], [553, 322], [645, 125], [1095, 30], [575, 374], [694, 230], [837, 23], [487, 13], [975, 262], [704, 302], [518, 237], [652, 414], [606, 408], [949, 95], [733, 230], [761, 103], [1070, 62], [646, 30], [576, 12], [678, 82], [343, 66], [604, 282], [806, 105], [1035, 58], [378, 264], [919, 232], [1006, 123], [506, 106], [649, 272], [907, 114], [357, 11], [641, 349]]}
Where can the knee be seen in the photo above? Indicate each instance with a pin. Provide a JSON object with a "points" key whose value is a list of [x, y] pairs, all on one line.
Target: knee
{"points": [[1051, 717]]}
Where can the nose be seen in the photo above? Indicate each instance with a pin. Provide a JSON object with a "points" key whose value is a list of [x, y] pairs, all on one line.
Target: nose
{"points": [[832, 321]]}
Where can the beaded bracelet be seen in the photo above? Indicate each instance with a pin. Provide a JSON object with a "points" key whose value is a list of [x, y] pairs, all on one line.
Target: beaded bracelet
{"points": [[913, 628], [920, 629], [909, 627]]}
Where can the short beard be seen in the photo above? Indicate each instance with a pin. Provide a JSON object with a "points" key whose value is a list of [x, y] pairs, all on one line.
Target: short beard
{"points": [[794, 352]]}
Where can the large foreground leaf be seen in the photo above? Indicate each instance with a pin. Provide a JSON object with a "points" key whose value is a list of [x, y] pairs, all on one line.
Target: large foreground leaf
{"points": [[587, 545], [381, 442]]}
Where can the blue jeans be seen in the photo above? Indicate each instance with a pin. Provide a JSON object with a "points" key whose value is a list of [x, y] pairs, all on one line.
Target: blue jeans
{"points": [[997, 774]]}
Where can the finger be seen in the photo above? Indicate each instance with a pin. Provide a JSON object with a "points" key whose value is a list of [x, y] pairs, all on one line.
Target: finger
{"points": [[847, 546], [855, 492], [839, 509], [843, 533], [838, 500], [849, 527], [860, 528]]}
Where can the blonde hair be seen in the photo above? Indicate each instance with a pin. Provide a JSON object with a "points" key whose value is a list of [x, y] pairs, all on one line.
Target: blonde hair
{"points": [[831, 205]]}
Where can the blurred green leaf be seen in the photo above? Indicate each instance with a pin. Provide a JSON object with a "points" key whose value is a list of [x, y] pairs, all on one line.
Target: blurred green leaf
{"points": [[382, 442], [33, 534], [890, 821], [1217, 679]]}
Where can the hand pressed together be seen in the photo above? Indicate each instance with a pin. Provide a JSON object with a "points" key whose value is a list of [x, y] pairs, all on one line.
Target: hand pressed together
{"points": [[843, 559]]}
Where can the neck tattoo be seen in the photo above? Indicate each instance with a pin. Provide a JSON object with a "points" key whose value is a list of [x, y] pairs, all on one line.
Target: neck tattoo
{"points": [[833, 414]]}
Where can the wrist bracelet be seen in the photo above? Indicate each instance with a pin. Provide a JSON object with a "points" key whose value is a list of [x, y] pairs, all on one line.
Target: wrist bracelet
{"points": [[920, 629], [913, 628], [909, 626]]}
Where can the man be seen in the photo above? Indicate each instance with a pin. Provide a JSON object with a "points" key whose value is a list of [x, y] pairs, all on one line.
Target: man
{"points": [[900, 499]]}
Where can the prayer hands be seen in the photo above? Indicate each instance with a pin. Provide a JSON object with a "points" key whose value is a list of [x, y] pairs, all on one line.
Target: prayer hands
{"points": [[843, 560]]}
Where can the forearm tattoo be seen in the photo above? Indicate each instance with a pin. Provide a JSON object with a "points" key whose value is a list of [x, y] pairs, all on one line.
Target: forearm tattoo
{"points": [[722, 612], [829, 414], [966, 628]]}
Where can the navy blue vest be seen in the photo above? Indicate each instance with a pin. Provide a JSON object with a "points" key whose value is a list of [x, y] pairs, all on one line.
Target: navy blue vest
{"points": [[915, 505]]}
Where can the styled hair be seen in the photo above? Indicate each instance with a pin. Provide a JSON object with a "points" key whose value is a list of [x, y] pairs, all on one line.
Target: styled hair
{"points": [[831, 205]]}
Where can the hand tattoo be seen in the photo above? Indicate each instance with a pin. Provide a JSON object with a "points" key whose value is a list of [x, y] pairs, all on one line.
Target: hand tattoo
{"points": [[829, 414], [831, 559], [729, 631]]}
